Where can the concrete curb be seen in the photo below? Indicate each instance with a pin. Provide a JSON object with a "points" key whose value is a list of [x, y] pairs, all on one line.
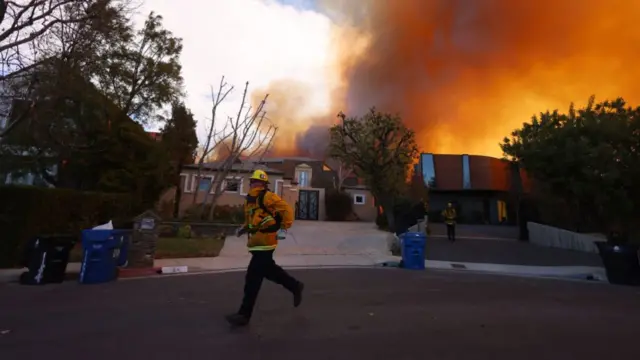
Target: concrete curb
{"points": [[582, 277], [556, 272]]}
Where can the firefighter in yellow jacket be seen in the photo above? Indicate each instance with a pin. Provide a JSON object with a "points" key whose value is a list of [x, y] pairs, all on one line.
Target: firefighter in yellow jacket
{"points": [[267, 218], [450, 216]]}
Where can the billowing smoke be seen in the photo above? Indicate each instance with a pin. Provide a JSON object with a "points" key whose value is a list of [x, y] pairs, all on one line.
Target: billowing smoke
{"points": [[464, 73]]}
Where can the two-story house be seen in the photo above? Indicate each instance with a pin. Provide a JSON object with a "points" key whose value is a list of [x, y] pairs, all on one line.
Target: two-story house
{"points": [[313, 178], [484, 189], [302, 182]]}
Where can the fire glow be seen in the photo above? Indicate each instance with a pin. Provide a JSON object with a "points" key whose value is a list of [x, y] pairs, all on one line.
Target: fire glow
{"points": [[463, 74]]}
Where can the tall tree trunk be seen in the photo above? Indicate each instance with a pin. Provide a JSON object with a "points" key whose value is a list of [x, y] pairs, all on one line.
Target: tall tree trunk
{"points": [[178, 197], [388, 210]]}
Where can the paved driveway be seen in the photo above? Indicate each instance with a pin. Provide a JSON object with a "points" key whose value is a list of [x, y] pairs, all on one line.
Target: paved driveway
{"points": [[346, 314], [475, 244], [323, 238], [477, 231]]}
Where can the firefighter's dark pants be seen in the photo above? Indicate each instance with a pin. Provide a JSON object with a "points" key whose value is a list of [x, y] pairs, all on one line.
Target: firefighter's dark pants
{"points": [[263, 266], [451, 232]]}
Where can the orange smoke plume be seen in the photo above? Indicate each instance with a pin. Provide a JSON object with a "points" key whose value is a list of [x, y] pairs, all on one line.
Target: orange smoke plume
{"points": [[463, 74]]}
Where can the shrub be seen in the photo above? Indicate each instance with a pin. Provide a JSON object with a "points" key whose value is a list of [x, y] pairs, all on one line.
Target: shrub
{"points": [[229, 214], [29, 211], [196, 212], [338, 205], [406, 213], [232, 214], [382, 222], [184, 231]]}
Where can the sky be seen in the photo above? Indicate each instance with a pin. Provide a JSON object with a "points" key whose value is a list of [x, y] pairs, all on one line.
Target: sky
{"points": [[260, 41]]}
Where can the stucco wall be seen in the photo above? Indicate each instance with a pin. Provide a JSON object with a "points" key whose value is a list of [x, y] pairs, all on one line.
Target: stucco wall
{"points": [[366, 211]]}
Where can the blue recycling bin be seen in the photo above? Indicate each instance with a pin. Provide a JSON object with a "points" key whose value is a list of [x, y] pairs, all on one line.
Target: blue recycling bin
{"points": [[100, 256], [413, 245]]}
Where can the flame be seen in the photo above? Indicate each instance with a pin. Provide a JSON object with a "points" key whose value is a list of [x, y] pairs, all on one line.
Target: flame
{"points": [[464, 74]]}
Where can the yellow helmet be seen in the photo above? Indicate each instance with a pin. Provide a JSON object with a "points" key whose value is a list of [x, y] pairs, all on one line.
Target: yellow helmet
{"points": [[259, 175]]}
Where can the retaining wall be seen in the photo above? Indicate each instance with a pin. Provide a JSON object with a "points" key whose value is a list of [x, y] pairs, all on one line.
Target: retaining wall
{"points": [[550, 236]]}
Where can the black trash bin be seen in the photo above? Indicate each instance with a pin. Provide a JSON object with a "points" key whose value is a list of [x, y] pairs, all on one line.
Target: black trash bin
{"points": [[46, 258], [621, 263]]}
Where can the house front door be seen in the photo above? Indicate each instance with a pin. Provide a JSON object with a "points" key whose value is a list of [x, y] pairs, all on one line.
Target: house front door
{"points": [[308, 205]]}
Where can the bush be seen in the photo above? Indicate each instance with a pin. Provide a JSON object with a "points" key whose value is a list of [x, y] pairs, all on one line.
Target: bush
{"points": [[196, 212], [338, 205], [382, 222], [406, 213], [29, 211], [228, 214], [232, 214], [184, 231]]}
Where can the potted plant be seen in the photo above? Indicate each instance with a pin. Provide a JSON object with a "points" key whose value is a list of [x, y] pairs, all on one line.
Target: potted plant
{"points": [[621, 257]]}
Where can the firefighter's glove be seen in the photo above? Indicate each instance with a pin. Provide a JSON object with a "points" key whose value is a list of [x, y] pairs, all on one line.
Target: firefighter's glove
{"points": [[241, 231], [282, 234]]}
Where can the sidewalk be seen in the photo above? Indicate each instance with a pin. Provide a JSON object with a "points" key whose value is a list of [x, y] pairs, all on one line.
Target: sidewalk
{"points": [[469, 254]]}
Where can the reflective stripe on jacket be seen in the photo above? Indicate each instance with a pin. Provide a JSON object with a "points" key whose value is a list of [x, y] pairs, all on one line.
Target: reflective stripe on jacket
{"points": [[260, 224], [449, 216]]}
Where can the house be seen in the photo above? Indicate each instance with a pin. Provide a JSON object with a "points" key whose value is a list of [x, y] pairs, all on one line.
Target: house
{"points": [[300, 181], [236, 184], [483, 189], [314, 177], [31, 153], [65, 116]]}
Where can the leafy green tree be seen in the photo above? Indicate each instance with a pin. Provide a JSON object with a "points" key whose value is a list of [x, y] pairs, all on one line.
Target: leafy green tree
{"points": [[588, 158], [380, 149], [140, 70], [94, 145], [180, 141], [127, 159], [34, 32]]}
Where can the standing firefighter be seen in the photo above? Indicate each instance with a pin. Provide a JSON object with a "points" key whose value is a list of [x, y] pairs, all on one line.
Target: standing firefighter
{"points": [[267, 218], [450, 215]]}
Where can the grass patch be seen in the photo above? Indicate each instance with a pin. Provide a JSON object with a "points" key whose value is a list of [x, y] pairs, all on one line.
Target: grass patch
{"points": [[175, 248]]}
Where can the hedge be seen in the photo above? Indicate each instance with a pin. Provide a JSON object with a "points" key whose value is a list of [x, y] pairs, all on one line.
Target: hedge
{"points": [[29, 211], [338, 205]]}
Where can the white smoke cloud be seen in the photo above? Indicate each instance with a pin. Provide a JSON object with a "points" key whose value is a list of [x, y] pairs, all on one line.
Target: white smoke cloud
{"points": [[247, 40]]}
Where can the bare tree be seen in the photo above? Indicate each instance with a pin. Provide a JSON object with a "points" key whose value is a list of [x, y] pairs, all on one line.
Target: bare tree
{"points": [[343, 171], [249, 134], [26, 21], [214, 137]]}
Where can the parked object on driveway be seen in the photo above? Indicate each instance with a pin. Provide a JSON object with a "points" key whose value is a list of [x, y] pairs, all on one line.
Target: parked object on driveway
{"points": [[621, 262], [101, 255], [46, 258], [413, 245]]}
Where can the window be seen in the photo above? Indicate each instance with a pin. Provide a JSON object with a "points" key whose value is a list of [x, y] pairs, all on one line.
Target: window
{"points": [[232, 185], [359, 199], [204, 184], [304, 178], [466, 173], [428, 170], [279, 187], [183, 182], [502, 211]]}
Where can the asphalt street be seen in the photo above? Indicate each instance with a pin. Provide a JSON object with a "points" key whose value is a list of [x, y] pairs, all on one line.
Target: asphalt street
{"points": [[346, 314]]}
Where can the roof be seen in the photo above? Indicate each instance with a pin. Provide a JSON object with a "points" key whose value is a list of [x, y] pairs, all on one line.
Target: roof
{"points": [[288, 158], [245, 166]]}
